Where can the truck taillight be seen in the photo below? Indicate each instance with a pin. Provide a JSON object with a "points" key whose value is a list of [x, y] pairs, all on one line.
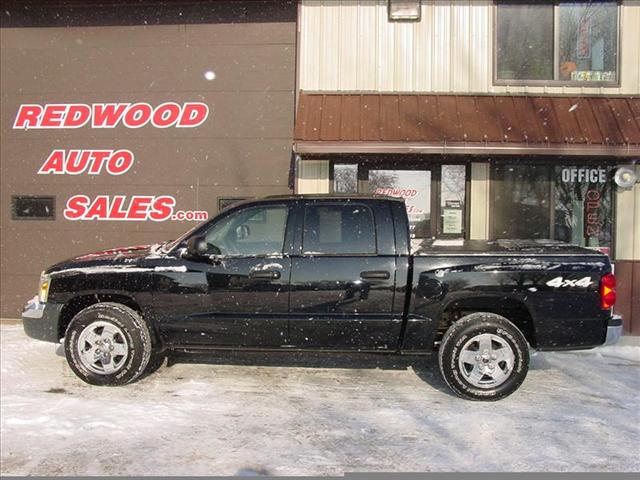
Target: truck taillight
{"points": [[607, 291]]}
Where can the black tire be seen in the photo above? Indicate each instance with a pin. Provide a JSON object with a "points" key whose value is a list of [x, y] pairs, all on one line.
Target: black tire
{"points": [[156, 361], [461, 337], [133, 332]]}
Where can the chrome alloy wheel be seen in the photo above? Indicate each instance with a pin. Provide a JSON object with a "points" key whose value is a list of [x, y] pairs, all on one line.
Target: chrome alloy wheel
{"points": [[486, 361], [102, 348]]}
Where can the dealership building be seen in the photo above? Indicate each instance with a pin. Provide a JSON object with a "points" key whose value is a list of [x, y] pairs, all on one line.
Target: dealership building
{"points": [[123, 123]]}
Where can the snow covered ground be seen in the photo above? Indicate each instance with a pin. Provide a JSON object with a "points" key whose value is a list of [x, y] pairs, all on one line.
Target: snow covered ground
{"points": [[294, 414]]}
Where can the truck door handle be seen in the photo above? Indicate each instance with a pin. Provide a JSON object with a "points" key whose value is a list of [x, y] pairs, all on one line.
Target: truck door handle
{"points": [[265, 274], [375, 275]]}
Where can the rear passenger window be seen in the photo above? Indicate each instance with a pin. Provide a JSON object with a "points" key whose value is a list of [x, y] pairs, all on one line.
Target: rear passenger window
{"points": [[339, 229]]}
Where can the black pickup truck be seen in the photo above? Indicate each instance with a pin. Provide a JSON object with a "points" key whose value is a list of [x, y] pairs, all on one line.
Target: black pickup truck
{"points": [[329, 273]]}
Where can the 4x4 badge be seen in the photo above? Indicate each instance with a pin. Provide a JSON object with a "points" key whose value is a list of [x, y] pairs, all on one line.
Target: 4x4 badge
{"points": [[559, 282]]}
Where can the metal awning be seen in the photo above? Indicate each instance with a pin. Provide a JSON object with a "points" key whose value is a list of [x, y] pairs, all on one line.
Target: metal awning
{"points": [[467, 124]]}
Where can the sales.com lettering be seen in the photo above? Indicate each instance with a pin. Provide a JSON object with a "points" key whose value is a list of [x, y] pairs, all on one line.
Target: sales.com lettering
{"points": [[138, 208]]}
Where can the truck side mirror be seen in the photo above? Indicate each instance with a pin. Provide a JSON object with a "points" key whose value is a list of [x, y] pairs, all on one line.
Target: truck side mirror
{"points": [[197, 247]]}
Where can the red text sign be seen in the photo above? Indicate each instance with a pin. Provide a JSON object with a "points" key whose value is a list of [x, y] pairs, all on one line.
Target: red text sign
{"points": [[93, 162], [110, 115]]}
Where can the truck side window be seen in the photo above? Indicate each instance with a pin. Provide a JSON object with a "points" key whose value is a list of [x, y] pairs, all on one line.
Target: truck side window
{"points": [[251, 232], [339, 229]]}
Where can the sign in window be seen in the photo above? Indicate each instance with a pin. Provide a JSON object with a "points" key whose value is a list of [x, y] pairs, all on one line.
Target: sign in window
{"points": [[414, 186], [452, 199]]}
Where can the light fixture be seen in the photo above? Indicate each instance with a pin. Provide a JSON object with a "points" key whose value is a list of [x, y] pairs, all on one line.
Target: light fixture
{"points": [[404, 10], [43, 292], [625, 177]]}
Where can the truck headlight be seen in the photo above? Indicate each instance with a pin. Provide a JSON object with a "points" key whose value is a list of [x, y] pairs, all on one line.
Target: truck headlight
{"points": [[43, 292]]}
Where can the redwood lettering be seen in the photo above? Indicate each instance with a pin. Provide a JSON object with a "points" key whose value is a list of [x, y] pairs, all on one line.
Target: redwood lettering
{"points": [[111, 115]]}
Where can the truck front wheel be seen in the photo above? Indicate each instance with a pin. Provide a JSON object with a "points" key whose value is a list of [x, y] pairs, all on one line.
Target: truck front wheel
{"points": [[484, 356], [108, 344]]}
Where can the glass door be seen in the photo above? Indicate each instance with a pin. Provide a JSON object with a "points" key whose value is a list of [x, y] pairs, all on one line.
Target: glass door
{"points": [[435, 194]]}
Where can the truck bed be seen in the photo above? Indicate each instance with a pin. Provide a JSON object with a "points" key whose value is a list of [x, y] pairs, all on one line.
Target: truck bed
{"points": [[499, 247], [550, 287]]}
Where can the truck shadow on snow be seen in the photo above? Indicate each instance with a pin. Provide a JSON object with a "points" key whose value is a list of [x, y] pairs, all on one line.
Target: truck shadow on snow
{"points": [[425, 367]]}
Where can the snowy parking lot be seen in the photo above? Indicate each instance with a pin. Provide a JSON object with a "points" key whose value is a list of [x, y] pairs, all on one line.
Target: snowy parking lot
{"points": [[293, 414]]}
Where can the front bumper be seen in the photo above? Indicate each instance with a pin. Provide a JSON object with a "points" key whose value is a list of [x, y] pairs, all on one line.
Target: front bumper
{"points": [[41, 320], [614, 330]]}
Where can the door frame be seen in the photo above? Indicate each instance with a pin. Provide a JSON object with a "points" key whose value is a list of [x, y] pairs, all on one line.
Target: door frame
{"points": [[385, 249]]}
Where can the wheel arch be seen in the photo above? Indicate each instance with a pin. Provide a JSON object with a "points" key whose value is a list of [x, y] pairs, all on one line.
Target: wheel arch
{"points": [[512, 309], [80, 302]]}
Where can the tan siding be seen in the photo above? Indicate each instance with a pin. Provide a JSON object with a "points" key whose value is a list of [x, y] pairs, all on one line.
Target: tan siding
{"points": [[366, 77], [312, 176], [628, 222], [348, 51], [479, 201], [350, 45]]}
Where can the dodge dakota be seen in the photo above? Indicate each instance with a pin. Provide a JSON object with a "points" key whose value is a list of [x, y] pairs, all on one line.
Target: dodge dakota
{"points": [[332, 273]]}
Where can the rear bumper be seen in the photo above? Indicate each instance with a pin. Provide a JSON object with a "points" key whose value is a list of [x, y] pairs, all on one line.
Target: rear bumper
{"points": [[614, 330], [40, 320]]}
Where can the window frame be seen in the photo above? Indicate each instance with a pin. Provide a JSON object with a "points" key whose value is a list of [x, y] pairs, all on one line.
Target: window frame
{"points": [[556, 55], [374, 224], [15, 198]]}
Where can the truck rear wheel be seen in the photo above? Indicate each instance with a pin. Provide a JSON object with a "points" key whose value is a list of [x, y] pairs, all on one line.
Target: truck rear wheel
{"points": [[484, 356], [108, 344]]}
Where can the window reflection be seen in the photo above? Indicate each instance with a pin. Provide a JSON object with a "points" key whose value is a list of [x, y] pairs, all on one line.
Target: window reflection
{"points": [[588, 41], [570, 203], [345, 178], [525, 41]]}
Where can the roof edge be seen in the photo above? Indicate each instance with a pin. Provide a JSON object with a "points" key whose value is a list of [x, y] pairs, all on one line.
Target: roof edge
{"points": [[354, 147], [378, 93]]}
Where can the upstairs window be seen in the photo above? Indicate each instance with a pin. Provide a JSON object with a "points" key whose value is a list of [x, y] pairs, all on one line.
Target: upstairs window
{"points": [[557, 42]]}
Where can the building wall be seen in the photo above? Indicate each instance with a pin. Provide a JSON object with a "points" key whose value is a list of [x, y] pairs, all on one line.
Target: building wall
{"points": [[350, 45], [479, 201], [242, 150], [627, 265]]}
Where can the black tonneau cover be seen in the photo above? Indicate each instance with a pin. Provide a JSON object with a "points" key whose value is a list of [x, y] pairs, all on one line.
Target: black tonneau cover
{"points": [[500, 247]]}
